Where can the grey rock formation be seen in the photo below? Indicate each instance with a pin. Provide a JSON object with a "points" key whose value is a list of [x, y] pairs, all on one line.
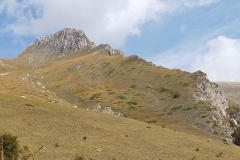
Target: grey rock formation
{"points": [[218, 104], [65, 40], [107, 49], [107, 110], [61, 44]]}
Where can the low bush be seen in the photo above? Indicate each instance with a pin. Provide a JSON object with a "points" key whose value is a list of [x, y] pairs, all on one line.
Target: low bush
{"points": [[121, 97], [132, 103], [79, 158], [175, 95], [9, 147], [236, 136]]}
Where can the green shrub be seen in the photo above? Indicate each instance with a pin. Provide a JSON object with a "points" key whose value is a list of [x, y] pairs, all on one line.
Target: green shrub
{"points": [[132, 102], [10, 146], [133, 86], [236, 136], [79, 158], [152, 121], [121, 97], [162, 89], [187, 109], [176, 108], [94, 96], [175, 95], [132, 108]]}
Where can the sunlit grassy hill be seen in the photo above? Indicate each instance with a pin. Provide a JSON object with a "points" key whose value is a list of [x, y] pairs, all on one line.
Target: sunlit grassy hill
{"points": [[55, 92], [65, 132]]}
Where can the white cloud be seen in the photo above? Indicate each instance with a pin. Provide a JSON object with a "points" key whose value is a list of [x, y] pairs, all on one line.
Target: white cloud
{"points": [[199, 2], [104, 21], [219, 58]]}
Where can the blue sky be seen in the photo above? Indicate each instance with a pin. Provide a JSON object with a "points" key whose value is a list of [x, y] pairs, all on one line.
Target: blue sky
{"points": [[186, 34]]}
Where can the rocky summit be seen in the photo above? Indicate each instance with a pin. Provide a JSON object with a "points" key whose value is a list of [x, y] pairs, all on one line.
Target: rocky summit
{"points": [[70, 95], [61, 44], [65, 40]]}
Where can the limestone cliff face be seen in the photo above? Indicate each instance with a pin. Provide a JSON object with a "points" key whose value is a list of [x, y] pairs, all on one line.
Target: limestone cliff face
{"points": [[65, 40], [61, 44], [219, 105], [107, 49]]}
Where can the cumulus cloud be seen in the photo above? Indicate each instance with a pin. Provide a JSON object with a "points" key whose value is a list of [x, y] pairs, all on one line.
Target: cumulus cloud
{"points": [[219, 58], [104, 21]]}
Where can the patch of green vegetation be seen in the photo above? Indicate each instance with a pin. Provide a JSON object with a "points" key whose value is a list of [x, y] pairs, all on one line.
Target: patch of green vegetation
{"points": [[219, 154], [110, 72], [162, 89], [167, 76], [236, 136], [185, 84], [79, 158], [152, 121], [111, 92], [177, 108], [132, 108], [133, 86], [107, 63], [121, 97], [9, 143], [187, 109], [175, 95], [56, 145], [214, 125], [169, 113], [215, 132], [132, 103], [94, 96], [29, 105], [138, 94], [231, 123]]}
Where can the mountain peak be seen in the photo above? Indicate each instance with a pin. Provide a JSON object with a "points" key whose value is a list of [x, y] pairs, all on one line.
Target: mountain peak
{"points": [[65, 40], [63, 43]]}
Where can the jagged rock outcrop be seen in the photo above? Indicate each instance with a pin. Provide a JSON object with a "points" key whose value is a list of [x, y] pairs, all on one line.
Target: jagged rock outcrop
{"points": [[65, 40], [61, 44], [107, 110], [219, 104], [107, 49]]}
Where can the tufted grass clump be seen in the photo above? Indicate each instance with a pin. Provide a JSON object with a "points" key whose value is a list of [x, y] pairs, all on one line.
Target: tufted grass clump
{"points": [[121, 97]]}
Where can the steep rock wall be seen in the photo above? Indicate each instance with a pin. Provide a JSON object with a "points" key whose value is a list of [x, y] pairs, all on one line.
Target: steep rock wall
{"points": [[219, 104]]}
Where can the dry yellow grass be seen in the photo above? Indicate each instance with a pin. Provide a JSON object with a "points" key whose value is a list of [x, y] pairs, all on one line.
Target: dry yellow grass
{"points": [[46, 116], [61, 130]]}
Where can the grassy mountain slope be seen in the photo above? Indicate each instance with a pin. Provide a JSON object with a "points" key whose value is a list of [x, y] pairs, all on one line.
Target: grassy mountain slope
{"points": [[232, 89], [130, 85], [61, 129], [55, 97]]}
